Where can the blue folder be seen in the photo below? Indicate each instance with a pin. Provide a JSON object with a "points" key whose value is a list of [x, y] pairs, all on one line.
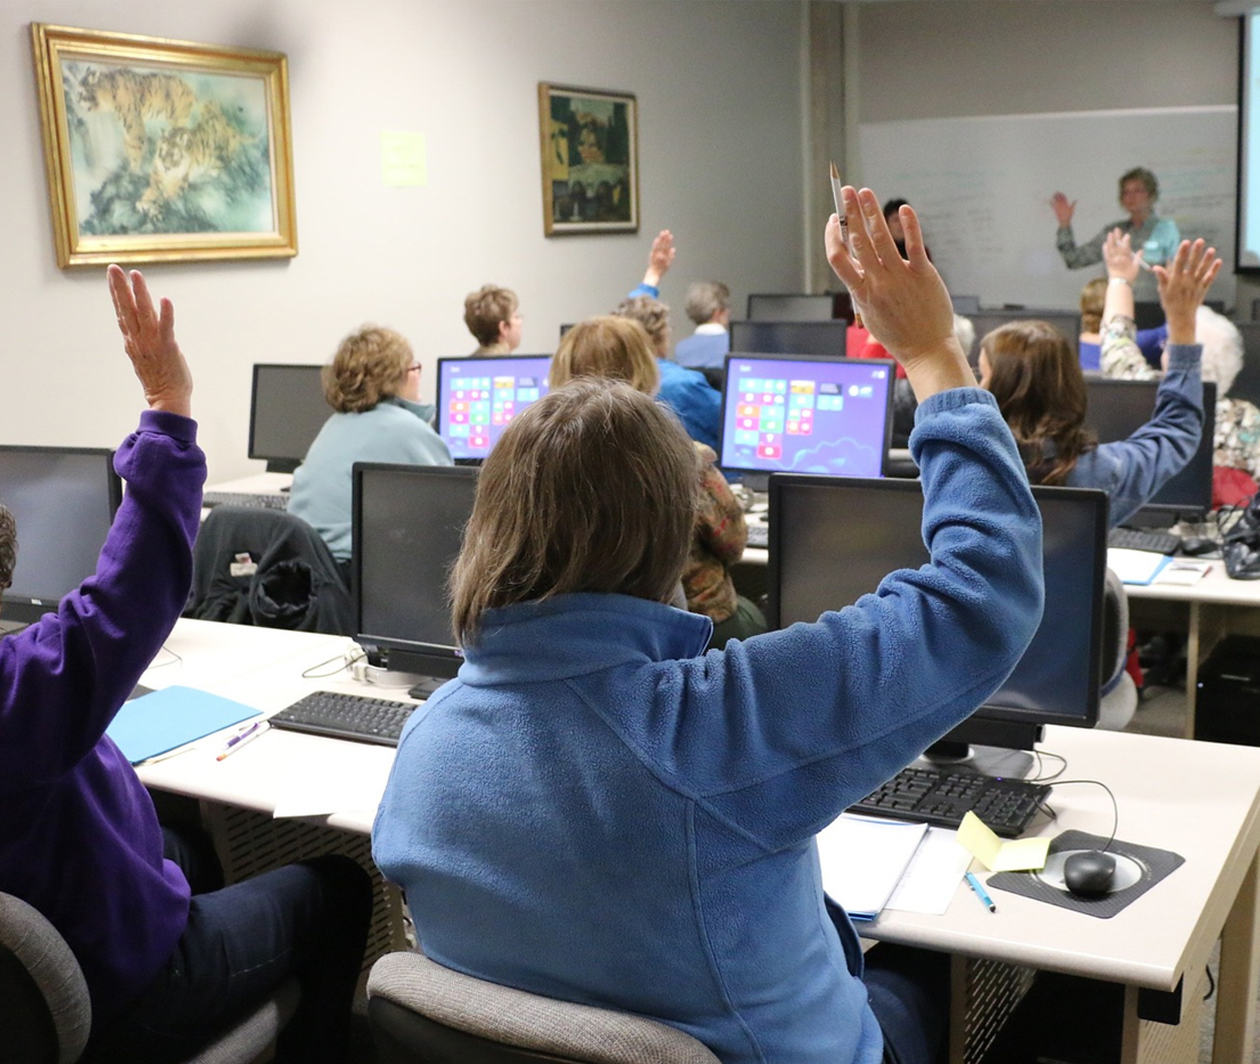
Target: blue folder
{"points": [[162, 720]]}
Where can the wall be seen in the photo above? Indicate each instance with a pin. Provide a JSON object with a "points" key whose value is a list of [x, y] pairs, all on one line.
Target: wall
{"points": [[720, 149]]}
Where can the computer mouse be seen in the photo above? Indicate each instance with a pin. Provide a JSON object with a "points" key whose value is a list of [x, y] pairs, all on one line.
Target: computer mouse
{"points": [[1089, 873], [1193, 546]]}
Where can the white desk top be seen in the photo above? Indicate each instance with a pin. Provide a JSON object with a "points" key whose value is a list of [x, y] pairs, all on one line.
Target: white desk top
{"points": [[1216, 587], [256, 483]]}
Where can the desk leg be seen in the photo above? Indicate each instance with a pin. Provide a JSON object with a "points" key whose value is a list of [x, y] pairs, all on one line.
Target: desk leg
{"points": [[1192, 666], [1236, 996]]}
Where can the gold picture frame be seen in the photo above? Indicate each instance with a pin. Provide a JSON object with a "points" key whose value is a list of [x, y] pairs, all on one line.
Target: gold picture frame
{"points": [[589, 146], [160, 151]]}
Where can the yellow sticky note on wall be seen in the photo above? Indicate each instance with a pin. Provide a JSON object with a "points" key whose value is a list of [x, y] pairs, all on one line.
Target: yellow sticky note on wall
{"points": [[1013, 855], [403, 162]]}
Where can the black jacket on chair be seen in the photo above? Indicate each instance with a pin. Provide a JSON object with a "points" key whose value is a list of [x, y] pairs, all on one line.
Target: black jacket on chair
{"points": [[267, 568]]}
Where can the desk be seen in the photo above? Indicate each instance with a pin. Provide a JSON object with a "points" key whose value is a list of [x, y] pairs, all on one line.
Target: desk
{"points": [[256, 484], [1201, 800]]}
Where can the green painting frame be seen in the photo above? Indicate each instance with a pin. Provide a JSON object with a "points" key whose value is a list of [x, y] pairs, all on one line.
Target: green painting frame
{"points": [[162, 150], [589, 147]]}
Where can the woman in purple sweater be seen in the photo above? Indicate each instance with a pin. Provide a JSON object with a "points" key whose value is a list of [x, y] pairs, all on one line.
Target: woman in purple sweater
{"points": [[167, 970]]}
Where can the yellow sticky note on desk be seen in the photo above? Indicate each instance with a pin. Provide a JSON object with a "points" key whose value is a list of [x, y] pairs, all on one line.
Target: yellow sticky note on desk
{"points": [[1013, 855]]}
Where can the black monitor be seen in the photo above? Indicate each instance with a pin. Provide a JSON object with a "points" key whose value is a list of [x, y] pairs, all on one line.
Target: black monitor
{"points": [[478, 396], [790, 337], [63, 499], [1067, 322], [1117, 409], [776, 306], [833, 540], [408, 525], [287, 409], [806, 415]]}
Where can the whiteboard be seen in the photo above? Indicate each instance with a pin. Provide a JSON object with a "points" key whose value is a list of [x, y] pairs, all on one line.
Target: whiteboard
{"points": [[982, 187]]}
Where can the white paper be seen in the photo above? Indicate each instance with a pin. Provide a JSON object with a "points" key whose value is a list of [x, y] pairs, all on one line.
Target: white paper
{"points": [[1182, 572], [863, 858], [929, 883], [1135, 566]]}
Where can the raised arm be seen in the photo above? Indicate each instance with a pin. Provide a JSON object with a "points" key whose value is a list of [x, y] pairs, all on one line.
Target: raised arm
{"points": [[1183, 283], [660, 259]]}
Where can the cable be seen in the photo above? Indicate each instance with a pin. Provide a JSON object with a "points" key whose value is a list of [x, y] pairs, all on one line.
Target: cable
{"points": [[174, 658], [346, 661], [1115, 808], [1211, 983], [1040, 777]]}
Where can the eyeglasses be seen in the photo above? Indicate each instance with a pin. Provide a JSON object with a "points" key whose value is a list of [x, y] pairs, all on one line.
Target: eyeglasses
{"points": [[414, 368]]}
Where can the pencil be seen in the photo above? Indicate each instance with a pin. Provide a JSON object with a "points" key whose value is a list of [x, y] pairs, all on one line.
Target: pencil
{"points": [[836, 186]]}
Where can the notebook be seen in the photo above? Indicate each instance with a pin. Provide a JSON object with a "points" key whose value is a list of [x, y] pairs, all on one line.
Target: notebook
{"points": [[863, 859], [162, 720]]}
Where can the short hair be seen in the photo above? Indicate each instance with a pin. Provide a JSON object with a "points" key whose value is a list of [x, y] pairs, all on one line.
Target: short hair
{"points": [[486, 308], [370, 365], [1093, 299], [8, 547], [1039, 387], [591, 488], [706, 298], [1222, 348], [610, 347], [652, 314], [893, 206], [1141, 173]]}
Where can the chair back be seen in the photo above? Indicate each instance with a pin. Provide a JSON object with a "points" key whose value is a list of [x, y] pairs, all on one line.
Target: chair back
{"points": [[45, 1011], [424, 1013], [1119, 694]]}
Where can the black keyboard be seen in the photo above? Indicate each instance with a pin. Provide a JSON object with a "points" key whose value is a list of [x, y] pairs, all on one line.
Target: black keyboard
{"points": [[943, 798], [1144, 539], [365, 720], [250, 499]]}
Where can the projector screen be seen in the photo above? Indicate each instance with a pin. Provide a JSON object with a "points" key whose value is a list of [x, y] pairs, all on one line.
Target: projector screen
{"points": [[1248, 244]]}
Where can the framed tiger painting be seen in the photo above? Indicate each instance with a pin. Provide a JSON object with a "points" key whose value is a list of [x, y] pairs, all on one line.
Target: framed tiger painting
{"points": [[159, 150]]}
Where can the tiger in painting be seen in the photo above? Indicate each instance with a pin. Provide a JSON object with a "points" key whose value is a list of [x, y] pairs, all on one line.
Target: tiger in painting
{"points": [[135, 97], [184, 155]]}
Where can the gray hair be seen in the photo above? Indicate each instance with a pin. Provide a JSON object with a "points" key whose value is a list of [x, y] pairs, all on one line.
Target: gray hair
{"points": [[8, 547], [1222, 348], [706, 298]]}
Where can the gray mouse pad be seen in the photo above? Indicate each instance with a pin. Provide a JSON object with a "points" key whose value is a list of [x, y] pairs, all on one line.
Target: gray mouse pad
{"points": [[1138, 868]]}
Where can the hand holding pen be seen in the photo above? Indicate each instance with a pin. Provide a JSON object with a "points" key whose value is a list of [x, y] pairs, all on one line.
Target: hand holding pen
{"points": [[243, 737]]}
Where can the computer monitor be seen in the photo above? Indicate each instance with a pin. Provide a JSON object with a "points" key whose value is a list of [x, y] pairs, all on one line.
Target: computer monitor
{"points": [[408, 524], [287, 409], [833, 540], [775, 306], [806, 415], [1067, 322], [789, 337], [1117, 409], [63, 499], [479, 396]]}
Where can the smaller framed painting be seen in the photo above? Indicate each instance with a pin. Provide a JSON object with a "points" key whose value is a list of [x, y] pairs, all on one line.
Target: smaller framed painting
{"points": [[589, 141], [160, 150]]}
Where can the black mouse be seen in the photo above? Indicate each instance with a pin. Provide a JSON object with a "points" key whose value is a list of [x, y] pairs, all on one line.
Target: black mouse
{"points": [[1089, 873], [1193, 546]]}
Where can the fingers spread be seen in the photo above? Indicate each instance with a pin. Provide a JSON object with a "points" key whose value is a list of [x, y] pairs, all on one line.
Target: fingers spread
{"points": [[916, 249]]}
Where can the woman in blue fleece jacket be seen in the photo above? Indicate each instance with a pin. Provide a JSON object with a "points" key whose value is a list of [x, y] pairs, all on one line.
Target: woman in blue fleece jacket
{"points": [[596, 811], [1031, 371]]}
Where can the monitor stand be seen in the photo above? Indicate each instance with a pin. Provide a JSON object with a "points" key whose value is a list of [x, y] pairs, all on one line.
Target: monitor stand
{"points": [[983, 760], [425, 686]]}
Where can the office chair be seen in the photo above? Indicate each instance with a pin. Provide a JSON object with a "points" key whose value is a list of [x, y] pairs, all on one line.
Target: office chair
{"points": [[46, 1014], [1119, 693], [423, 1013]]}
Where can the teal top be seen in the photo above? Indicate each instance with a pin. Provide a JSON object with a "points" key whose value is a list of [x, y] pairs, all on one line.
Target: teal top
{"points": [[395, 430]]}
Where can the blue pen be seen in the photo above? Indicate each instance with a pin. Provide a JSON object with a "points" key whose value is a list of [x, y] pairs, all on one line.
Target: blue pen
{"points": [[981, 893]]}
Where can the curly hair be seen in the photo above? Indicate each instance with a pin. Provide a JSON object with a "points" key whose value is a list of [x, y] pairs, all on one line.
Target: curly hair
{"points": [[607, 346], [652, 314], [8, 547], [370, 365], [486, 309], [1040, 389]]}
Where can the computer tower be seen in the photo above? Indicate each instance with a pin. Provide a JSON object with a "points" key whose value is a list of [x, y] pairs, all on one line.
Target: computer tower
{"points": [[1227, 709]]}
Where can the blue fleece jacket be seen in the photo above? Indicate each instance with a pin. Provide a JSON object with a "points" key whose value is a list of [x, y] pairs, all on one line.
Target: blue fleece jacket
{"points": [[596, 811]]}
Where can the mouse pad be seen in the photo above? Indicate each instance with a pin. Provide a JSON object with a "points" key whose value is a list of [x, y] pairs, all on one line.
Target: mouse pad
{"points": [[1138, 868]]}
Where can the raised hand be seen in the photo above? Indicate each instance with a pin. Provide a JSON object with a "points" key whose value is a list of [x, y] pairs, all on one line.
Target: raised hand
{"points": [[1063, 208], [1120, 258], [660, 258], [903, 302], [1182, 285], [149, 340]]}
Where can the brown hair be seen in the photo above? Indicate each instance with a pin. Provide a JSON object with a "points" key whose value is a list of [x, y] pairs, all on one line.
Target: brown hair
{"points": [[652, 314], [607, 346], [370, 365], [1040, 390], [487, 308], [1141, 173], [1093, 298], [592, 488], [8, 547]]}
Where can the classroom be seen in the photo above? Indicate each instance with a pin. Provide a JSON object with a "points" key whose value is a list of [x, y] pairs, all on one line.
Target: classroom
{"points": [[740, 107]]}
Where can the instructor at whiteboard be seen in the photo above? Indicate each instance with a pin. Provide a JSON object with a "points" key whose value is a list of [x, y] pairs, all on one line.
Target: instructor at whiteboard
{"points": [[1156, 237]]}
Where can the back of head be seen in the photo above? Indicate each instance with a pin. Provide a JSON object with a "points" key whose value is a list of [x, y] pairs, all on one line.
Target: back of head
{"points": [[8, 548], [653, 315], [607, 346], [1093, 298], [705, 299], [1222, 348], [1040, 390], [592, 488], [485, 308], [369, 366]]}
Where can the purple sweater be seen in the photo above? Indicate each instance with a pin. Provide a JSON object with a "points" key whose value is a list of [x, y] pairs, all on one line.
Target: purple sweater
{"points": [[79, 838]]}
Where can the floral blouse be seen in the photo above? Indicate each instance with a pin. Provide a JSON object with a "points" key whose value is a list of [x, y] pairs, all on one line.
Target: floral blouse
{"points": [[718, 542]]}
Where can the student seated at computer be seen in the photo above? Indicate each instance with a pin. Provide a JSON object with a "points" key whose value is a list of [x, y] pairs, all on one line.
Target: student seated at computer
{"points": [[1031, 371], [493, 316], [596, 810], [1089, 345], [617, 348], [708, 305], [373, 386], [167, 970]]}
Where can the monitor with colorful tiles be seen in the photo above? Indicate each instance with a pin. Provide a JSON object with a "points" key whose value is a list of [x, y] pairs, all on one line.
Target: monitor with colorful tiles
{"points": [[478, 396], [797, 414]]}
